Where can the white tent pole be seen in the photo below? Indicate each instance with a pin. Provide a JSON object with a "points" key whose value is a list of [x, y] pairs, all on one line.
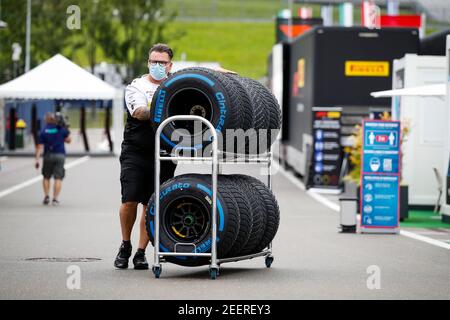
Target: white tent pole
{"points": [[28, 37], [2, 123], [118, 119], [445, 207]]}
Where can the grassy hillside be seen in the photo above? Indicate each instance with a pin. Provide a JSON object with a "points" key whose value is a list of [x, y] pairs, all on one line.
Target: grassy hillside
{"points": [[231, 40], [247, 9], [239, 34], [243, 47], [230, 9], [238, 45]]}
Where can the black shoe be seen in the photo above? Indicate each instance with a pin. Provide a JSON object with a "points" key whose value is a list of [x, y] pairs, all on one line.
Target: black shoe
{"points": [[139, 260], [124, 254], [46, 200]]}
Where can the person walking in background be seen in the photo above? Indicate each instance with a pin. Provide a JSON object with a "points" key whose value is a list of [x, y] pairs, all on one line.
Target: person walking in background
{"points": [[51, 140]]}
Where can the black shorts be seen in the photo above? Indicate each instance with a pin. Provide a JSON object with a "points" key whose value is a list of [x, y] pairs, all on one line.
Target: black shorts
{"points": [[137, 169], [53, 165]]}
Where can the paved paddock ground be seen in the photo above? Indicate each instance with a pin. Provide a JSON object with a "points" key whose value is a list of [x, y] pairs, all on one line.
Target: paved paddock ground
{"points": [[312, 260]]}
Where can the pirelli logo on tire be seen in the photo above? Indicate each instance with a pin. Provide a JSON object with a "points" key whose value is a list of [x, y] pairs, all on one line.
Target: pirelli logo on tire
{"points": [[367, 68]]}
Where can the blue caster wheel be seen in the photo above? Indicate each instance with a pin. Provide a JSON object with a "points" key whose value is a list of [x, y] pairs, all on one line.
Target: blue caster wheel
{"points": [[269, 261], [156, 272], [213, 273]]}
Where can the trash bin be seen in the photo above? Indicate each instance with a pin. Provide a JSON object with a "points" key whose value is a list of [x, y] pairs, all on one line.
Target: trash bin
{"points": [[348, 215], [20, 133]]}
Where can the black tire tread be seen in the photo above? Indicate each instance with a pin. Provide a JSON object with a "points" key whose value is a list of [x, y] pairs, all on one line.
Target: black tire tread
{"points": [[239, 100], [259, 113], [245, 106], [272, 211], [259, 219], [234, 219], [246, 217], [267, 112], [245, 212]]}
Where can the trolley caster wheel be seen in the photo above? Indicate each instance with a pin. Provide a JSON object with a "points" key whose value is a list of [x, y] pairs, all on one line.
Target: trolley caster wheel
{"points": [[157, 272], [269, 261], [213, 273]]}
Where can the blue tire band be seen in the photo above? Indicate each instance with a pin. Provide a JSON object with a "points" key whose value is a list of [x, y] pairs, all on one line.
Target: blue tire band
{"points": [[169, 142], [189, 75], [221, 222], [168, 84], [219, 205]]}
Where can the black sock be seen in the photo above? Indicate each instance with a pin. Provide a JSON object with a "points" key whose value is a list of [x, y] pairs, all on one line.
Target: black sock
{"points": [[141, 250], [126, 244]]}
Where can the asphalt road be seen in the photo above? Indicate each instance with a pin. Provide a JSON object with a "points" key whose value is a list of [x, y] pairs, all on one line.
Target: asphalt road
{"points": [[312, 260]]}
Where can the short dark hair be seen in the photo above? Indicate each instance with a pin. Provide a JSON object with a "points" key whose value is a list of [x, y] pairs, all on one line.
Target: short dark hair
{"points": [[50, 118], [161, 47]]}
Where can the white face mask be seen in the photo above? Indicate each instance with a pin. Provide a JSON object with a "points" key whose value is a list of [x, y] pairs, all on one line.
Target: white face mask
{"points": [[157, 71]]}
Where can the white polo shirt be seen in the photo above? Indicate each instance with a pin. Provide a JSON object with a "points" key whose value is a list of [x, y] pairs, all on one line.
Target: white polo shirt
{"points": [[139, 93]]}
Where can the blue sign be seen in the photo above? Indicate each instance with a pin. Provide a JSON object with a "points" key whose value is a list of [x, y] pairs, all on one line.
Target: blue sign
{"points": [[319, 135], [318, 156], [381, 148], [380, 177], [379, 202]]}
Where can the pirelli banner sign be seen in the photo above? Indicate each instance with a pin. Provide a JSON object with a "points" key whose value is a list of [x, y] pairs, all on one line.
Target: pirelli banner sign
{"points": [[367, 68]]}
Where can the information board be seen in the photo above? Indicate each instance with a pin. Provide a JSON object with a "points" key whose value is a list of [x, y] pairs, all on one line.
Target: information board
{"points": [[327, 153], [380, 176]]}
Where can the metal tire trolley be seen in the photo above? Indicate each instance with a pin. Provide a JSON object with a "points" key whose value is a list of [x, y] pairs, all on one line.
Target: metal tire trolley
{"points": [[214, 267]]}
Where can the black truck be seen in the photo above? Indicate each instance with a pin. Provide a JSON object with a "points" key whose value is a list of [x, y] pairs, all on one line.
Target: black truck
{"points": [[329, 73]]}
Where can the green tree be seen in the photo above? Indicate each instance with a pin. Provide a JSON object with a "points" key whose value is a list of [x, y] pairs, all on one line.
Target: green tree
{"points": [[138, 25], [121, 31], [49, 32], [13, 13], [97, 27], [115, 30]]}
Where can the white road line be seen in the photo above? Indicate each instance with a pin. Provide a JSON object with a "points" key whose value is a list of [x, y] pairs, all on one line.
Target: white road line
{"points": [[419, 237], [20, 186], [288, 175], [39, 178], [76, 162], [326, 202], [335, 207]]}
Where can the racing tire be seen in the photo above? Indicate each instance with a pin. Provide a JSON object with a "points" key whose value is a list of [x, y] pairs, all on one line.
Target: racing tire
{"points": [[185, 217], [204, 92], [266, 111], [257, 211]]}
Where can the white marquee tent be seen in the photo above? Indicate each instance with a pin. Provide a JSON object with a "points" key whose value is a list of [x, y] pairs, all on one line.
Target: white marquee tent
{"points": [[60, 78], [436, 90]]}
